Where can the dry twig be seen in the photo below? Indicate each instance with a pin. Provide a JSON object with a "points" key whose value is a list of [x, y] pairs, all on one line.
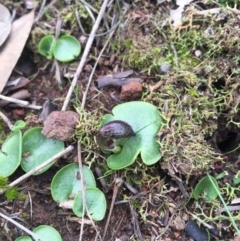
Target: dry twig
{"points": [[30, 173], [85, 54], [35, 236]]}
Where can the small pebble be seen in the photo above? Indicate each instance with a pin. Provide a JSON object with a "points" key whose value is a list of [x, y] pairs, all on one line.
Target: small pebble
{"points": [[19, 112], [198, 53], [60, 125], [164, 68], [196, 233], [131, 91]]}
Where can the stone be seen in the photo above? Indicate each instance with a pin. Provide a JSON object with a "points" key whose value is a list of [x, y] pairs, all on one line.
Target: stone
{"points": [[131, 91], [60, 125]]}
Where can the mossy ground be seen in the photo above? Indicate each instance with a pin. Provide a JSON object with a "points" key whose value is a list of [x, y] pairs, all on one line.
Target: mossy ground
{"points": [[194, 94], [197, 89], [192, 97]]}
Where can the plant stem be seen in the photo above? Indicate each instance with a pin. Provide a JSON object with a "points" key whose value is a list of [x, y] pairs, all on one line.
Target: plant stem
{"points": [[225, 205], [36, 237]]}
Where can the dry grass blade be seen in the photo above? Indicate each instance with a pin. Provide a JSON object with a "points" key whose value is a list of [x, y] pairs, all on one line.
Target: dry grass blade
{"points": [[85, 54]]}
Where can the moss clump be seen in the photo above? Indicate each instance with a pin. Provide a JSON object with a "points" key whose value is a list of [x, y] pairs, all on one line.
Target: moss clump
{"points": [[191, 110], [86, 131], [13, 193], [145, 43], [3, 182]]}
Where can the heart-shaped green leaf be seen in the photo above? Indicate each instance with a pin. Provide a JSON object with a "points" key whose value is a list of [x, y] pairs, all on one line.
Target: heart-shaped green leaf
{"points": [[23, 238], [38, 149], [46, 45], [47, 233], [10, 154], [67, 183], [95, 201], [145, 121], [18, 125], [205, 187], [67, 48], [44, 232]]}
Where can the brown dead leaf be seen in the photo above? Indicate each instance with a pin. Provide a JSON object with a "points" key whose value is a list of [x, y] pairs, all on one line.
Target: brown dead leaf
{"points": [[5, 23], [12, 49], [118, 79]]}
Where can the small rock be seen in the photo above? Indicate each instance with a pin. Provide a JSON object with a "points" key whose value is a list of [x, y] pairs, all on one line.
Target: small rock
{"points": [[179, 223], [131, 91], [196, 233], [48, 107], [19, 112], [164, 68], [60, 125], [198, 53], [123, 238]]}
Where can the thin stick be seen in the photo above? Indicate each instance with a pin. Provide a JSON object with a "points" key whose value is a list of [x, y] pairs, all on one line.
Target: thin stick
{"points": [[41, 11], [90, 6], [85, 54], [79, 21], [28, 174], [118, 183], [199, 220], [35, 236], [20, 102], [83, 189], [175, 54], [93, 70], [6, 120], [84, 195]]}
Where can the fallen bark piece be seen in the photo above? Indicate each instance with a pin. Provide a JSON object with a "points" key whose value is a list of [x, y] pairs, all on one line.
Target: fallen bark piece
{"points": [[16, 84], [14, 45], [60, 125], [20, 95], [5, 23], [119, 79], [132, 91]]}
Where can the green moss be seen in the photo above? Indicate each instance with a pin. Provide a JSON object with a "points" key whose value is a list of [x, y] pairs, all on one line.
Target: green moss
{"points": [[191, 110], [11, 193], [3, 182], [85, 132]]}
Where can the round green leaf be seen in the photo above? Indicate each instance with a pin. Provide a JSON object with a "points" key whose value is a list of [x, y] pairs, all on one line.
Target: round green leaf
{"points": [[20, 124], [95, 201], [67, 48], [145, 121], [67, 183], [205, 187], [46, 45], [38, 149], [23, 238], [47, 233], [10, 154]]}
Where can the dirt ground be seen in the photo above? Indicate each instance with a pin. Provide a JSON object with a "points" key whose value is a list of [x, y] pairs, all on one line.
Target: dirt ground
{"points": [[190, 72]]}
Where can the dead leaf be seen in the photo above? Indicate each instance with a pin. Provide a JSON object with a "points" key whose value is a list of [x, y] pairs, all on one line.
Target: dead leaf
{"points": [[118, 79], [11, 51], [15, 84], [176, 14], [5, 23]]}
